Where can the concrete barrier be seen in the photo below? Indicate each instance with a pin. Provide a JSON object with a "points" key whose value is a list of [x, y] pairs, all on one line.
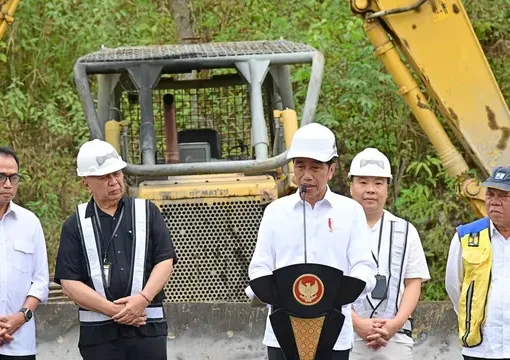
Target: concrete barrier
{"points": [[203, 331]]}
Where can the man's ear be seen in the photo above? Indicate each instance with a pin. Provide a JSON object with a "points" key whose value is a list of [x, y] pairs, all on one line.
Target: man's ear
{"points": [[86, 185], [331, 171]]}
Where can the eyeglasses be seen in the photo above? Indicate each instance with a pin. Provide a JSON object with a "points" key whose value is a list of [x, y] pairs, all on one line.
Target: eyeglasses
{"points": [[13, 178]]}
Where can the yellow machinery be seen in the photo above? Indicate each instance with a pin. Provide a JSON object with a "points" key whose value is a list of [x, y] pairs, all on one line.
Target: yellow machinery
{"points": [[204, 129], [421, 33], [7, 9]]}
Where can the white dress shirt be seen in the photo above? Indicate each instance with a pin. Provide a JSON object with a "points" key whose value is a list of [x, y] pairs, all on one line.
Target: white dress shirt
{"points": [[496, 330], [23, 272], [415, 264], [347, 247]]}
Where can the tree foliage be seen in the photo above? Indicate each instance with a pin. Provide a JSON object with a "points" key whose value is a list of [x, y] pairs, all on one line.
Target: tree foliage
{"points": [[41, 116]]}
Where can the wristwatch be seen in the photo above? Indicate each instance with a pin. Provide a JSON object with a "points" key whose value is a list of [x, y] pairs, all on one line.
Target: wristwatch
{"points": [[27, 313]]}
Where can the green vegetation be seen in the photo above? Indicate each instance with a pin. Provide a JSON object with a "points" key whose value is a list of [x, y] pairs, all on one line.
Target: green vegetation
{"points": [[41, 116]]}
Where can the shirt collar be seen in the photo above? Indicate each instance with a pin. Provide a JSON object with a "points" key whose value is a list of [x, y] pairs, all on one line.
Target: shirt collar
{"points": [[327, 198], [387, 216], [89, 211], [12, 209], [493, 231]]}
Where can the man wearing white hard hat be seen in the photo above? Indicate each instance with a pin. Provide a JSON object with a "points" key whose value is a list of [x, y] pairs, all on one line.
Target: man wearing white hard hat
{"points": [[115, 257], [336, 229], [382, 321]]}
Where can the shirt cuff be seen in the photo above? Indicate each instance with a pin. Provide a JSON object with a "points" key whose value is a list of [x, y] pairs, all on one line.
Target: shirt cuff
{"points": [[369, 280], [40, 292], [70, 276], [166, 256], [423, 277], [255, 274], [249, 292]]}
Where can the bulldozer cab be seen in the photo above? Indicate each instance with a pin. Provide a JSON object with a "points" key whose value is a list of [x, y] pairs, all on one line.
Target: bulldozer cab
{"points": [[204, 129]]}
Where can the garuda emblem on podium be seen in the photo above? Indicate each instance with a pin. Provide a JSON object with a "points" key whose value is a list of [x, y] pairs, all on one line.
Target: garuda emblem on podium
{"points": [[308, 289]]}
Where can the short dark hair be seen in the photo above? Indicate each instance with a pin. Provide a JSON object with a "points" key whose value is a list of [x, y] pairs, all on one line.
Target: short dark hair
{"points": [[329, 162], [332, 161], [7, 151]]}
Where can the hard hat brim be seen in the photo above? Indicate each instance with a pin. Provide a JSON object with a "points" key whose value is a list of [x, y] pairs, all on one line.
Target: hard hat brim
{"points": [[369, 173], [304, 154], [118, 165]]}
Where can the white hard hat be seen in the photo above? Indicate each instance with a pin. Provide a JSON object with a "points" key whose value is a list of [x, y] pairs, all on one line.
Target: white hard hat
{"points": [[370, 162], [97, 158], [313, 141]]}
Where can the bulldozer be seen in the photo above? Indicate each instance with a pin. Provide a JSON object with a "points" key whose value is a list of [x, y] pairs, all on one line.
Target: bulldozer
{"points": [[204, 129], [211, 151]]}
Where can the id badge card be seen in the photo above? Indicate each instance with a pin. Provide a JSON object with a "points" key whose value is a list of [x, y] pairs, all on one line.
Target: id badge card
{"points": [[380, 290], [107, 273]]}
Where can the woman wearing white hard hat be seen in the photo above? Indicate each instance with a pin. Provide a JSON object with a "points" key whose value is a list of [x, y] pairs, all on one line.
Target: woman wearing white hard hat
{"points": [[337, 234], [382, 322], [114, 258]]}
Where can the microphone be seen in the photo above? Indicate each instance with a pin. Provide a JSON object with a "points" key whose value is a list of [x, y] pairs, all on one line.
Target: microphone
{"points": [[302, 192]]}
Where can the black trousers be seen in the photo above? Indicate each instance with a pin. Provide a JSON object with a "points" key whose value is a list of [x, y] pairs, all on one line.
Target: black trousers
{"points": [[277, 354], [134, 348], [9, 357], [475, 358]]}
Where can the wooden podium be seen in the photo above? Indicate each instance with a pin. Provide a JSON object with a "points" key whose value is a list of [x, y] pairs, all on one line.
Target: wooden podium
{"points": [[307, 302]]}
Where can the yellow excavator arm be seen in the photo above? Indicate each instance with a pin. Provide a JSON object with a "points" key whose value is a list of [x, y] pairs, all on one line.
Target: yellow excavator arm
{"points": [[436, 39], [7, 9]]}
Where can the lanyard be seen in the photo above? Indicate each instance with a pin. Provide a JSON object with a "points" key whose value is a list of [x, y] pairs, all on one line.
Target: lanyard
{"points": [[114, 230], [379, 244]]}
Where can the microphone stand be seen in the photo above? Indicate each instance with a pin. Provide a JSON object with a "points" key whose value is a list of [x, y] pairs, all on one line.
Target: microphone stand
{"points": [[302, 192]]}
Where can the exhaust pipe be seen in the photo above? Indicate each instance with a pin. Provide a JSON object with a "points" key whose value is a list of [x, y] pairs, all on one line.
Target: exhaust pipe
{"points": [[172, 150]]}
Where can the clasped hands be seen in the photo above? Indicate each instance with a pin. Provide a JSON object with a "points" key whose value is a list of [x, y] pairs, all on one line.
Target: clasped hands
{"points": [[130, 310], [377, 332], [9, 324]]}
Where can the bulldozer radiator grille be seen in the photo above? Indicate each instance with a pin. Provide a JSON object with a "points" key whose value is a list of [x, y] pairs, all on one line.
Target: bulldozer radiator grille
{"points": [[214, 243]]}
